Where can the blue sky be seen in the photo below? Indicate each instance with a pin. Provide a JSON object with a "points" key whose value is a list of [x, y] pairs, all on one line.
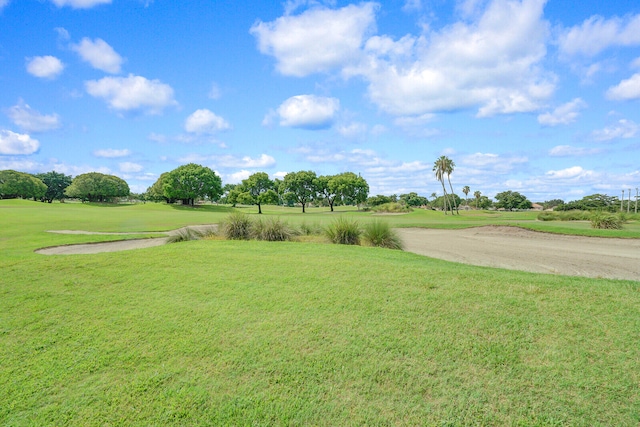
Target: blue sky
{"points": [[531, 96]]}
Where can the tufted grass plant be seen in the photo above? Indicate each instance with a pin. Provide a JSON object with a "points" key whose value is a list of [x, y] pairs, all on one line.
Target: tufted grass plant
{"points": [[344, 231], [237, 226], [379, 233], [272, 229]]}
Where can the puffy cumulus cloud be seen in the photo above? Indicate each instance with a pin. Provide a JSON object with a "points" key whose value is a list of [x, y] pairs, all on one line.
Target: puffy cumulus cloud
{"points": [[569, 151], [564, 114], [499, 162], [31, 120], [111, 153], [129, 167], [317, 40], [596, 34], [80, 4], [237, 177], [229, 161], [626, 90], [492, 63], [45, 67], [623, 129], [132, 93], [205, 121], [99, 54], [12, 143], [308, 112], [573, 173]]}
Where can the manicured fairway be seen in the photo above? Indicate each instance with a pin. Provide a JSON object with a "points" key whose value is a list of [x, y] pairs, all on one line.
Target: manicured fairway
{"points": [[257, 333]]}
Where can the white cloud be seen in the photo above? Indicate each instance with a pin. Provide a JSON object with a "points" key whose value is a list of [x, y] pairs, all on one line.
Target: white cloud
{"points": [[308, 112], [215, 92], [129, 167], [132, 93], [229, 161], [623, 129], [635, 63], [80, 4], [572, 173], [569, 151], [352, 130], [205, 121], [317, 40], [12, 143], [597, 34], [99, 54], [626, 90], [236, 178], [46, 67], [111, 153], [31, 120], [481, 163], [564, 114], [492, 63], [3, 3]]}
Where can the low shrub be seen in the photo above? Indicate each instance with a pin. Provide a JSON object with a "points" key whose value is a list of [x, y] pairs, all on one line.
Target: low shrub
{"points": [[184, 235], [605, 221], [309, 229], [548, 216], [272, 230], [392, 207], [344, 231], [575, 215], [378, 233], [237, 226]]}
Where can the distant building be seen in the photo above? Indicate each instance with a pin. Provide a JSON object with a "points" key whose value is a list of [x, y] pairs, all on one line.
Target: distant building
{"points": [[536, 207]]}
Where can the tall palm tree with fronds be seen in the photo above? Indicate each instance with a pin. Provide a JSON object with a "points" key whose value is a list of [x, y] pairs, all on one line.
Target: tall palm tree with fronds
{"points": [[440, 168], [477, 195], [466, 191], [449, 166]]}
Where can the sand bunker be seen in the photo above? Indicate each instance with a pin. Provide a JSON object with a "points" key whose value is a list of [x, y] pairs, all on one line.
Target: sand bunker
{"points": [[502, 247]]}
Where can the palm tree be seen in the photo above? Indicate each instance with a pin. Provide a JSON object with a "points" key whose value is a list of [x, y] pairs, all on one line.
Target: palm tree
{"points": [[477, 195], [466, 191], [449, 166], [439, 167]]}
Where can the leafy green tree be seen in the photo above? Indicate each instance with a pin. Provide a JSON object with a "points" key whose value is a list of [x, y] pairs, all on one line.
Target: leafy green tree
{"points": [[379, 200], [510, 200], [190, 182], [477, 195], [346, 188], [550, 204], [155, 193], [592, 202], [301, 186], [412, 199], [442, 201], [256, 190], [19, 184], [97, 187], [56, 184]]}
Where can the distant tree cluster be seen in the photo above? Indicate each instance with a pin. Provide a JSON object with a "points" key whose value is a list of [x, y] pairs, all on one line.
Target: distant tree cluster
{"points": [[593, 202], [15, 184]]}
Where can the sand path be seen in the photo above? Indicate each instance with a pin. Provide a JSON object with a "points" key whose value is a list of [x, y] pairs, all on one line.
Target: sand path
{"points": [[503, 247]]}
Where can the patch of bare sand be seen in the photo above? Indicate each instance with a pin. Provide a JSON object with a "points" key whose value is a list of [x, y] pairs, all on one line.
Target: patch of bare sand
{"points": [[502, 247], [519, 249]]}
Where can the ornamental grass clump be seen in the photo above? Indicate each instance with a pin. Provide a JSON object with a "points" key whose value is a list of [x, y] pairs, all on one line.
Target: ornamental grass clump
{"points": [[187, 234], [392, 207], [605, 221], [237, 226], [344, 232], [380, 234], [272, 230]]}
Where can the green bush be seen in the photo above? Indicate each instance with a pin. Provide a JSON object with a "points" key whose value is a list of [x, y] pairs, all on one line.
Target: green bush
{"points": [[344, 232], [272, 230], [309, 229], [605, 221], [237, 226], [548, 216], [575, 215], [378, 233], [392, 207]]}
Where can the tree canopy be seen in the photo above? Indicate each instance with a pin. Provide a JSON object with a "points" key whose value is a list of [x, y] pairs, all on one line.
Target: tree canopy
{"points": [[412, 199], [346, 188], [255, 190], [56, 184], [190, 182], [97, 187], [19, 184], [300, 186], [510, 200]]}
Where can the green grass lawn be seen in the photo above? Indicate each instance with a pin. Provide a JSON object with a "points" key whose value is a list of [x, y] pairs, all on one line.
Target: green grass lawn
{"points": [[259, 333]]}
